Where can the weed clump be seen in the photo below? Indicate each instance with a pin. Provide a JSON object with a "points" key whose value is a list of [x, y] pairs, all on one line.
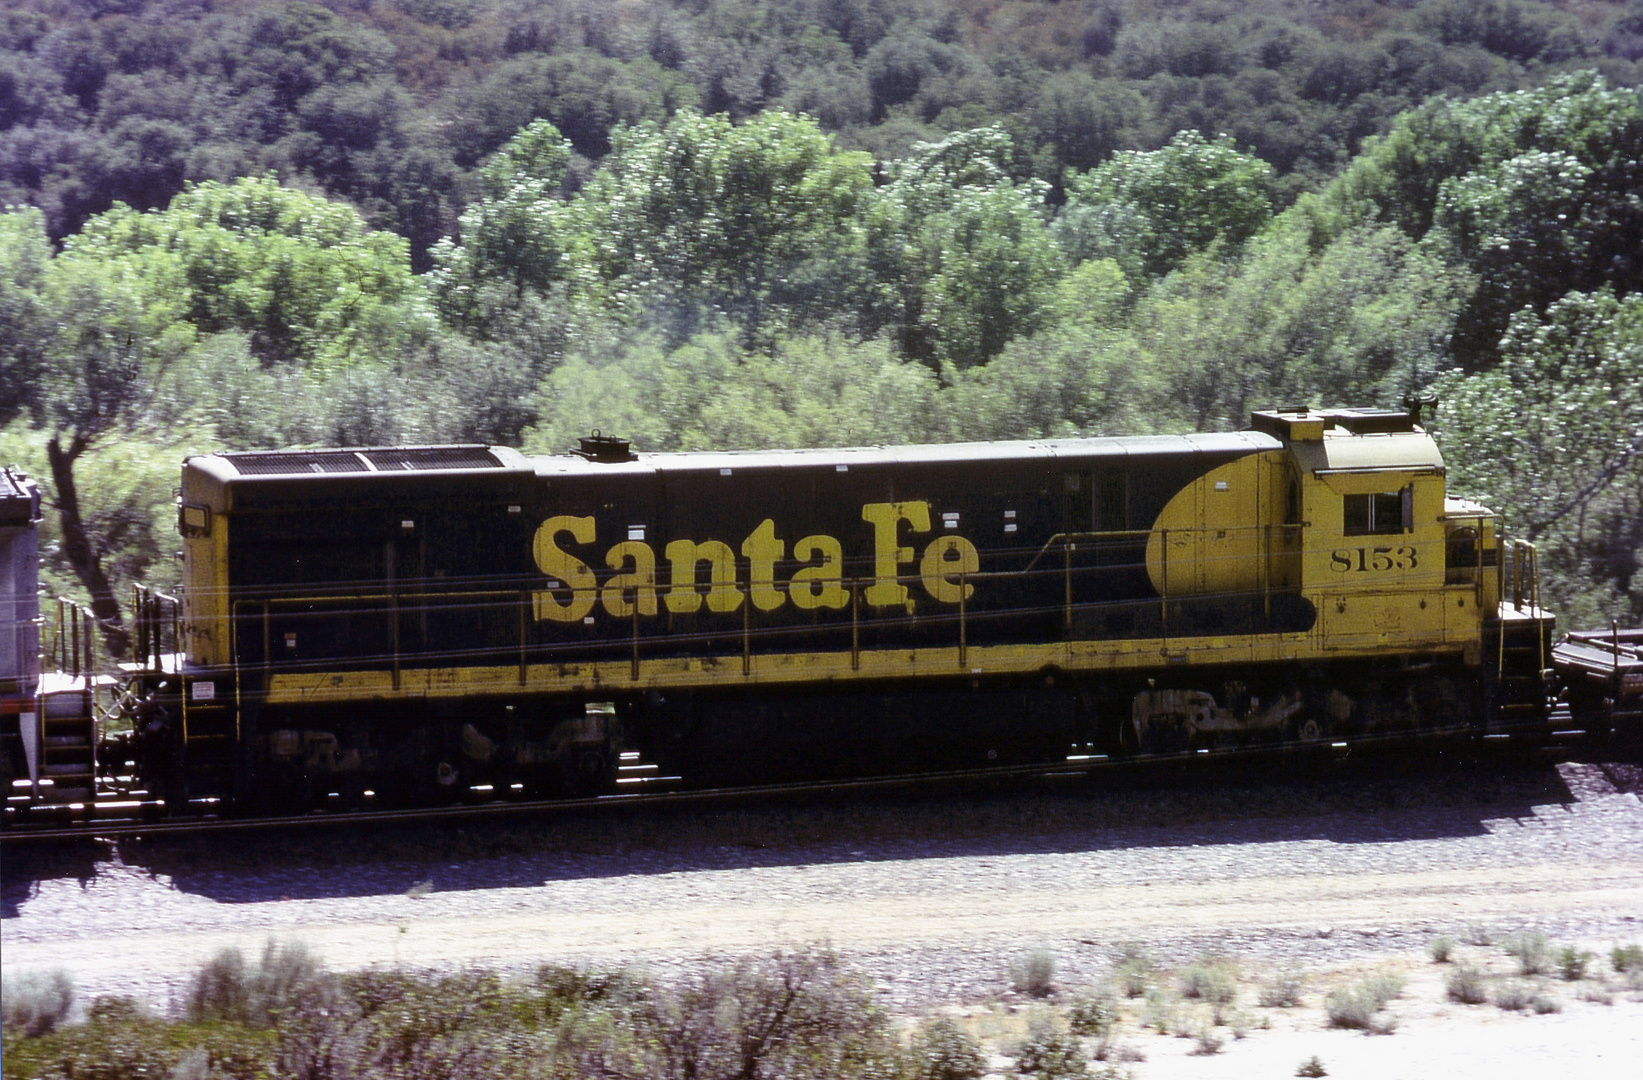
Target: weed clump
{"points": [[942, 1051], [1572, 963], [1033, 972], [1358, 1008], [36, 1002], [1133, 970], [1514, 996], [1092, 1016], [1210, 981], [1283, 991], [1465, 984], [286, 980], [800, 1016], [1159, 1012], [1206, 1043], [1441, 949], [1626, 958], [1531, 950], [1312, 1067], [1050, 1054]]}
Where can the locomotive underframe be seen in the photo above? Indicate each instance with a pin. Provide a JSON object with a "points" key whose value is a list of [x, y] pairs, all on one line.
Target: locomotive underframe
{"points": [[286, 757]]}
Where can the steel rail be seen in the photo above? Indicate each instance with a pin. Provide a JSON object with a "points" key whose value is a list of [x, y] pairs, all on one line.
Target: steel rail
{"points": [[1547, 734]]}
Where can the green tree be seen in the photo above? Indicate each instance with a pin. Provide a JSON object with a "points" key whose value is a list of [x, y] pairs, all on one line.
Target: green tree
{"points": [[302, 276], [1149, 211], [712, 393], [1365, 320], [102, 359], [515, 234], [962, 252], [1553, 438], [1534, 191], [757, 221], [25, 257]]}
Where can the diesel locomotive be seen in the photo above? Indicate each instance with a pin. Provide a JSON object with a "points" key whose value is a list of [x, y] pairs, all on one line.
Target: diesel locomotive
{"points": [[410, 624]]}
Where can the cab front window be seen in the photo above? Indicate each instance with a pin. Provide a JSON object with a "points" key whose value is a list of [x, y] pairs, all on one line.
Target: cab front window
{"points": [[1377, 513]]}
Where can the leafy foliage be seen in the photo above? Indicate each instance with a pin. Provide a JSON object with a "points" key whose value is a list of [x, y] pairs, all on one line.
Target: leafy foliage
{"points": [[1554, 436], [1149, 211]]}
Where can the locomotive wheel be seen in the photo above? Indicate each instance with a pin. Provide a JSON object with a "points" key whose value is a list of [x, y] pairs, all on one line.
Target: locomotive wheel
{"points": [[591, 771], [1308, 730]]}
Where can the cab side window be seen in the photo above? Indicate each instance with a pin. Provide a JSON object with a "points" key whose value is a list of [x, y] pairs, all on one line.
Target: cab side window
{"points": [[1378, 513]]}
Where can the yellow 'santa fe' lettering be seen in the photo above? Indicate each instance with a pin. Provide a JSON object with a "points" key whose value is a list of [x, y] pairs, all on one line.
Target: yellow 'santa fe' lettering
{"points": [[642, 579], [817, 582], [567, 568], [762, 551], [888, 555], [945, 562], [722, 593], [819, 586]]}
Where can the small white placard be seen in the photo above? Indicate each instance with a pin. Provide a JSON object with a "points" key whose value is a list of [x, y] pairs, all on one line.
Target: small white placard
{"points": [[205, 691]]}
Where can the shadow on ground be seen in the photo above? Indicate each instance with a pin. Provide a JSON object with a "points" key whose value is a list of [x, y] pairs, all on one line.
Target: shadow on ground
{"points": [[1378, 801]]}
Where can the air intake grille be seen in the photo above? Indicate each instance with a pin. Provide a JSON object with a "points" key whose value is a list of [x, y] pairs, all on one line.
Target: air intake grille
{"points": [[302, 461], [433, 457], [397, 459]]}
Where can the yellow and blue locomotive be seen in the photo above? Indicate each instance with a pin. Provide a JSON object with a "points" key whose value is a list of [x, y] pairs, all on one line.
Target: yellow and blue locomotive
{"points": [[405, 624]]}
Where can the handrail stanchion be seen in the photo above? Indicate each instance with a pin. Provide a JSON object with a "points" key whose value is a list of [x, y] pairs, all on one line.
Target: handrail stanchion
{"points": [[855, 625], [524, 635]]}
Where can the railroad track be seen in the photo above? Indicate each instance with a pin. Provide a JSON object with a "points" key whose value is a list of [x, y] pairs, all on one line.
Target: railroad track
{"points": [[1562, 743]]}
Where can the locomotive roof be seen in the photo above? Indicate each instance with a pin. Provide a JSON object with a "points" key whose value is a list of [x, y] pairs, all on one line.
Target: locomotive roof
{"points": [[268, 477], [972, 453]]}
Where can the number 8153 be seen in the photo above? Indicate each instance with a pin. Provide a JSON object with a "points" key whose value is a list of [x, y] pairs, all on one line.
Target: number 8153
{"points": [[1363, 560]]}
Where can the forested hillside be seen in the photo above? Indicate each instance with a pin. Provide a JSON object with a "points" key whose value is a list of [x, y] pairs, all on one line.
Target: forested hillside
{"points": [[732, 224]]}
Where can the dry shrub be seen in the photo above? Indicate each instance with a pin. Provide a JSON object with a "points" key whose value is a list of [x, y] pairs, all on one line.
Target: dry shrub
{"points": [[37, 1001], [796, 1015], [1514, 996], [1531, 950], [1033, 972], [1051, 1054], [942, 1051], [1465, 984], [285, 980], [1358, 1007], [1572, 963], [1133, 970], [1210, 980], [1283, 991], [1092, 1016]]}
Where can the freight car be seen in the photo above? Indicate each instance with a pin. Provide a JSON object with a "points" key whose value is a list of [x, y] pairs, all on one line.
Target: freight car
{"points": [[411, 624]]}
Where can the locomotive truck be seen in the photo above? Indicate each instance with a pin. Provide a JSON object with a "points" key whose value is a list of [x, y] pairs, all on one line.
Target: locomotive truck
{"points": [[410, 625]]}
